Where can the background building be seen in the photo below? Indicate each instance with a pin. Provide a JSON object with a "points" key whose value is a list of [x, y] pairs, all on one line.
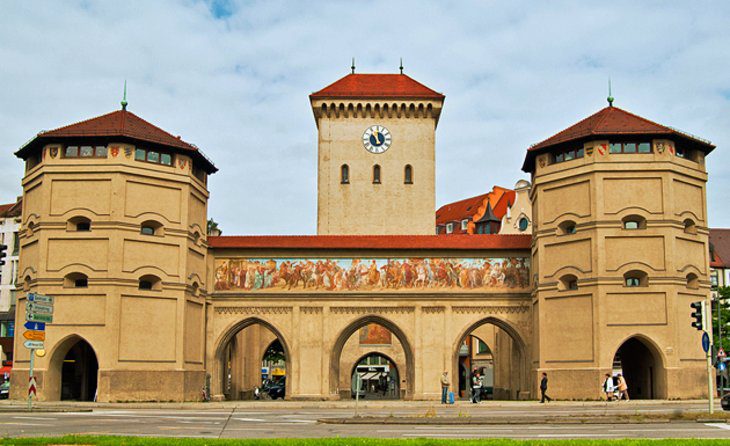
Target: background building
{"points": [[9, 227]]}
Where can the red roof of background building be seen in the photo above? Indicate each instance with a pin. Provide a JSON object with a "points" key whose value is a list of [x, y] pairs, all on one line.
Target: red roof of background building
{"points": [[120, 123], [457, 242], [720, 247], [12, 209], [609, 121], [377, 86], [468, 208]]}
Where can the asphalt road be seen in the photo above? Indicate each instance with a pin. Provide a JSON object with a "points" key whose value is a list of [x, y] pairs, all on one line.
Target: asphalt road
{"points": [[286, 421]]}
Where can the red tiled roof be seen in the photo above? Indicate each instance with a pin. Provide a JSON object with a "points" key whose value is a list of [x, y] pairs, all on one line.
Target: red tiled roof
{"points": [[498, 198], [720, 242], [607, 122], [121, 123], [377, 86], [11, 209], [457, 242]]}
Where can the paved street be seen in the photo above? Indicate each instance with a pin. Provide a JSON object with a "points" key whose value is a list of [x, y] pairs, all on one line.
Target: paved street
{"points": [[268, 420]]}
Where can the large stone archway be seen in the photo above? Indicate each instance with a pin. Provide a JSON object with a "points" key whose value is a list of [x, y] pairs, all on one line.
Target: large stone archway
{"points": [[84, 370], [642, 365], [518, 387], [219, 368], [408, 374]]}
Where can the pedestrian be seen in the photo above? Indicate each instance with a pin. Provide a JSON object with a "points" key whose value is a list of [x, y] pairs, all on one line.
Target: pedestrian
{"points": [[623, 388], [608, 387], [476, 388], [543, 389], [444, 386]]}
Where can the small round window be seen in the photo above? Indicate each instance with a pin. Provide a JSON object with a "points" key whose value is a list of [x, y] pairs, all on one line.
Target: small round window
{"points": [[523, 223]]}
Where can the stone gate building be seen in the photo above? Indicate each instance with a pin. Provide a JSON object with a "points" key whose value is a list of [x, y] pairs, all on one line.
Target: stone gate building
{"points": [[150, 307]]}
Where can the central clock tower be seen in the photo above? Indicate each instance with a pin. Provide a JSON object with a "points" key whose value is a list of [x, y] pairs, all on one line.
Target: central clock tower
{"points": [[376, 155]]}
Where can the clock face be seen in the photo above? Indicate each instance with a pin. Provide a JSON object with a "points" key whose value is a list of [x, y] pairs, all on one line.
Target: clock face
{"points": [[376, 139]]}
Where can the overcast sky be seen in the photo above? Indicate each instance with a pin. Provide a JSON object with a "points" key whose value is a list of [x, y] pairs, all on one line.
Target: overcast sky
{"points": [[234, 79]]}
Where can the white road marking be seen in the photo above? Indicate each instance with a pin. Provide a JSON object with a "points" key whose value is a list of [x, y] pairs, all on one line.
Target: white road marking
{"points": [[719, 425], [251, 420], [35, 418]]}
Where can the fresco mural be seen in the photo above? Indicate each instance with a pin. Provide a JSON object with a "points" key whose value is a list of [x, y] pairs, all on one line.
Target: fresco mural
{"points": [[372, 274], [375, 334]]}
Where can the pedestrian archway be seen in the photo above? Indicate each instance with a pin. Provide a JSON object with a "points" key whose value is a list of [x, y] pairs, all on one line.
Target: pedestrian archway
{"points": [[253, 354], [79, 369], [365, 336], [496, 351], [641, 365], [375, 377]]}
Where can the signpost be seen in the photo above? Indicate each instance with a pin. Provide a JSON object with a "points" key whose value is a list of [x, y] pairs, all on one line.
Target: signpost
{"points": [[38, 312]]}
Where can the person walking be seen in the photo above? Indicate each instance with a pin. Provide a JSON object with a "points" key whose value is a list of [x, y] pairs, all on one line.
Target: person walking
{"points": [[476, 388], [623, 388], [608, 387], [444, 386], [543, 389]]}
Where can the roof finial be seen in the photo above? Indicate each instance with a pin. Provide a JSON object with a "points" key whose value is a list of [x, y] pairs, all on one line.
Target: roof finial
{"points": [[609, 98], [401, 65], [124, 98], [353, 65]]}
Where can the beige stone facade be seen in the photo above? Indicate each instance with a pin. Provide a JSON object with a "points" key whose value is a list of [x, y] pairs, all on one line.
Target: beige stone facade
{"points": [[149, 307]]}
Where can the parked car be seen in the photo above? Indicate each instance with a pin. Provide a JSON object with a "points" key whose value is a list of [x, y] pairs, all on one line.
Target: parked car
{"points": [[5, 390], [274, 388]]}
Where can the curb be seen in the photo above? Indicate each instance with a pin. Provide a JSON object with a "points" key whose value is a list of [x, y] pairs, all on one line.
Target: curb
{"points": [[492, 421]]}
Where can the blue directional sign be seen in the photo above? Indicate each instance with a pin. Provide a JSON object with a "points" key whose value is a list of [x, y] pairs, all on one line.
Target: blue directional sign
{"points": [[721, 366], [705, 342], [37, 326]]}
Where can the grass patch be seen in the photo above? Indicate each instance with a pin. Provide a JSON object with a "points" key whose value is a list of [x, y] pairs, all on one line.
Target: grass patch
{"points": [[137, 441]]}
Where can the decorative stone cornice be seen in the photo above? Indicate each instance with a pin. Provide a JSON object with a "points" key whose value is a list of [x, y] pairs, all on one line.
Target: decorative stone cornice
{"points": [[253, 310], [372, 310], [490, 309]]}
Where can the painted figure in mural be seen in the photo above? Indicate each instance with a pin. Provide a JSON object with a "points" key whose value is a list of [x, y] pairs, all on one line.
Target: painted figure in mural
{"points": [[371, 274]]}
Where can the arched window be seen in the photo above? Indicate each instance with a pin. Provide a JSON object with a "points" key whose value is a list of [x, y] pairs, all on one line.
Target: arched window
{"points": [[344, 174], [150, 227], [376, 174], [634, 222], [690, 227], [408, 174], [568, 282], [194, 289], [80, 224], [693, 281], [150, 282], [635, 278], [76, 280], [567, 227]]}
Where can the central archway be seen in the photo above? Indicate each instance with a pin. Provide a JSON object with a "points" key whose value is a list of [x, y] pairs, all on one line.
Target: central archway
{"points": [[247, 360], [375, 376], [503, 359], [73, 371], [642, 367], [408, 375]]}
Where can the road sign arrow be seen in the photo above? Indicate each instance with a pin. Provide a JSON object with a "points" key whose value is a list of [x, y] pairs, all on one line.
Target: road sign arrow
{"points": [[33, 317], [33, 335], [37, 345], [35, 326], [33, 307]]}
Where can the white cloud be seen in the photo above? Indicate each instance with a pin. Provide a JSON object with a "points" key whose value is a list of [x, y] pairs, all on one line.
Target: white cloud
{"points": [[513, 73]]}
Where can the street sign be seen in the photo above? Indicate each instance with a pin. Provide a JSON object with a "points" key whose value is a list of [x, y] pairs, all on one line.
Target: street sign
{"points": [[36, 326], [721, 366], [33, 335], [33, 317], [41, 299], [32, 386], [34, 345], [721, 353], [705, 342], [33, 307]]}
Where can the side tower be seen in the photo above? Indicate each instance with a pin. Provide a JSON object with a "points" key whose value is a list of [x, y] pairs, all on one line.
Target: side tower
{"points": [[114, 229], [376, 155], [620, 250]]}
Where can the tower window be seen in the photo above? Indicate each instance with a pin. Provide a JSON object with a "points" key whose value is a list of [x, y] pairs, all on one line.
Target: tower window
{"points": [[635, 279], [150, 227], [689, 226], [568, 155], [76, 280], [449, 228], [149, 282], [152, 156], [344, 174], [634, 222], [79, 224], [567, 227], [376, 174], [630, 147], [693, 281], [85, 152], [408, 174], [569, 282]]}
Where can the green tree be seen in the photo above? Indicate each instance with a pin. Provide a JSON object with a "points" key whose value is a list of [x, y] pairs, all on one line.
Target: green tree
{"points": [[721, 330]]}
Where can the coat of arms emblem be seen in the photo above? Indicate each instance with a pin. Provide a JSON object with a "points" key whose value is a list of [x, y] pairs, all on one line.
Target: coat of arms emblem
{"points": [[182, 163], [54, 152], [115, 151]]}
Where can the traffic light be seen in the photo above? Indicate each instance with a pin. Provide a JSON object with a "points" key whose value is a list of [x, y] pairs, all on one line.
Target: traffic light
{"points": [[697, 315], [3, 248]]}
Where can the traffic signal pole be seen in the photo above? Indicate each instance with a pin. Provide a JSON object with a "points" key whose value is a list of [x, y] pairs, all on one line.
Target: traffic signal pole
{"points": [[707, 325]]}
